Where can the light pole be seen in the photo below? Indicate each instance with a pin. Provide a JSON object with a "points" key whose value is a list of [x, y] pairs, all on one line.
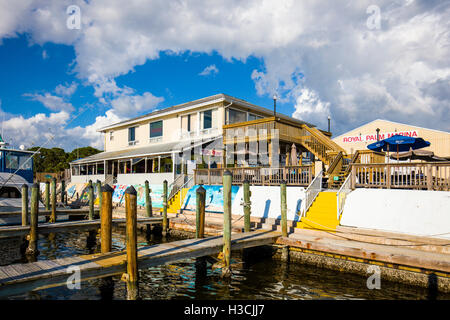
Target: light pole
{"points": [[378, 134], [274, 105], [329, 119]]}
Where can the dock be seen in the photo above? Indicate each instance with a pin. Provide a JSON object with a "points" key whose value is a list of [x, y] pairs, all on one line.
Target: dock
{"points": [[82, 225], [19, 278]]}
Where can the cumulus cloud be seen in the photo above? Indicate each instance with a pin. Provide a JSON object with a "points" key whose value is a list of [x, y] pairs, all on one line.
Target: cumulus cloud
{"points": [[51, 102], [66, 90], [322, 57], [211, 69]]}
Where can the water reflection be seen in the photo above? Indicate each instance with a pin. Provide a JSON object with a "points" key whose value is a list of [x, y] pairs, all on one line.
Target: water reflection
{"points": [[257, 277]]}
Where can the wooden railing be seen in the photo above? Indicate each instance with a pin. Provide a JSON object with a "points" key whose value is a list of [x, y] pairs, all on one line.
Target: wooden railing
{"points": [[429, 176], [265, 176]]}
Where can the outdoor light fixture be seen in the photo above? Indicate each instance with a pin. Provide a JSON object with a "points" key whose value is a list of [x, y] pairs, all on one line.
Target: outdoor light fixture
{"points": [[274, 105], [378, 134], [329, 119]]}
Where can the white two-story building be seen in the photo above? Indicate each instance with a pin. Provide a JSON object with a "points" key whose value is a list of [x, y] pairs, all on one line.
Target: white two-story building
{"points": [[154, 146]]}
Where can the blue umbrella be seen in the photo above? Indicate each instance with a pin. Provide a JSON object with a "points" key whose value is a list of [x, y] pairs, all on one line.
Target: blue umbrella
{"points": [[399, 143]]}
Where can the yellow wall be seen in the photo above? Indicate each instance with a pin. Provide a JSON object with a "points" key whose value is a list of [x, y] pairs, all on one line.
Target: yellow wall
{"points": [[440, 140]]}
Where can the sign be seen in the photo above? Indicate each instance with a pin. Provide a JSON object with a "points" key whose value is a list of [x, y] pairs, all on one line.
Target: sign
{"points": [[373, 137]]}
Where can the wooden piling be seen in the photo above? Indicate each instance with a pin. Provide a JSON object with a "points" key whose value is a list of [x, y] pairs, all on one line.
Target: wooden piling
{"points": [[100, 196], [47, 195], [63, 192], [226, 270], [131, 239], [148, 200], [106, 218], [283, 209], [164, 224], [24, 204], [53, 201], [200, 212], [91, 200], [247, 205], [34, 212]]}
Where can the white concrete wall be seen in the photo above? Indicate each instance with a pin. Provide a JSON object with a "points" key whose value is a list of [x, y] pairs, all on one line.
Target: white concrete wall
{"points": [[266, 201], [139, 178], [425, 213], [85, 179]]}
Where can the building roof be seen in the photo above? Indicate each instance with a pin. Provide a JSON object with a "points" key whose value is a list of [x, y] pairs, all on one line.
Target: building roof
{"points": [[198, 103], [148, 151]]}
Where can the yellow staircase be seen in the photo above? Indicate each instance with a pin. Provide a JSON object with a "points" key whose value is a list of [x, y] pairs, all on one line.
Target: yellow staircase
{"points": [[322, 213], [174, 204]]}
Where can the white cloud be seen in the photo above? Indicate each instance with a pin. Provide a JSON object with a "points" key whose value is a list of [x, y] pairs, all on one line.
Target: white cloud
{"points": [[51, 102], [66, 90], [211, 69], [45, 55], [320, 56]]}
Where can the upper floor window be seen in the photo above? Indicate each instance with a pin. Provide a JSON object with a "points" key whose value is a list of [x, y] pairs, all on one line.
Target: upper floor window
{"points": [[207, 119], [131, 134], [252, 116], [235, 116], [156, 129], [111, 136]]}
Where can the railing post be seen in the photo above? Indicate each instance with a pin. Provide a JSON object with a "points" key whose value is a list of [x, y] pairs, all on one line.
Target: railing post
{"points": [[47, 195], [53, 197], [353, 174], [429, 177], [200, 212], [106, 218], [284, 232], [388, 176], [247, 205], [164, 223], [24, 204], [131, 239], [34, 212], [226, 181], [91, 200]]}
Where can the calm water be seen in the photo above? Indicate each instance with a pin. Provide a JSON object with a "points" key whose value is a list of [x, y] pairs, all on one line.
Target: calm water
{"points": [[262, 278]]}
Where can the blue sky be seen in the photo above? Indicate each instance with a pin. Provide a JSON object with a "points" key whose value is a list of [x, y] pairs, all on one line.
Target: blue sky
{"points": [[355, 61]]}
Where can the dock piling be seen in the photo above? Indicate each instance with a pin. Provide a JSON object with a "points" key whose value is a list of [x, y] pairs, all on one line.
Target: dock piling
{"points": [[53, 201], [226, 270], [47, 195], [283, 209], [247, 205], [106, 218], [200, 212], [24, 204], [164, 224], [100, 196], [91, 200], [34, 212], [148, 200], [63, 192], [131, 239]]}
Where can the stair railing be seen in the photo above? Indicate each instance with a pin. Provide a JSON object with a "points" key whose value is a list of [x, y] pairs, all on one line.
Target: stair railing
{"points": [[341, 195], [187, 184], [311, 193]]}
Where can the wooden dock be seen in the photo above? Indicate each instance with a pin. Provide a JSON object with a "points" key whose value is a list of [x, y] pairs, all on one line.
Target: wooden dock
{"points": [[20, 278], [63, 212], [82, 225]]}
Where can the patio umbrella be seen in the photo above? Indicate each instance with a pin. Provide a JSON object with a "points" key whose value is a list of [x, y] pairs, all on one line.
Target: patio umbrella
{"points": [[425, 155], [293, 155], [401, 143]]}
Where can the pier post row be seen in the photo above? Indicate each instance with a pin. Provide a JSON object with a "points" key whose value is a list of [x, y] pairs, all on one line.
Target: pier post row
{"points": [[148, 200], [131, 243], [91, 200]]}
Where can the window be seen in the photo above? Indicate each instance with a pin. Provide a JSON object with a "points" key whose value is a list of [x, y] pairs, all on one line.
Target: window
{"points": [[252, 117], [235, 116], [207, 119], [18, 161], [131, 134], [189, 123], [111, 136], [156, 129]]}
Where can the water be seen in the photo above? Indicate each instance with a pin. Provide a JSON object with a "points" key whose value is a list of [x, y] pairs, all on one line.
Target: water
{"points": [[263, 278]]}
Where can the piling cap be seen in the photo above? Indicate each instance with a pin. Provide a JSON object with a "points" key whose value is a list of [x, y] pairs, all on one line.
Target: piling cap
{"points": [[35, 185], [246, 181], [24, 185], [131, 190], [107, 188], [146, 182], [201, 189], [227, 173], [283, 182]]}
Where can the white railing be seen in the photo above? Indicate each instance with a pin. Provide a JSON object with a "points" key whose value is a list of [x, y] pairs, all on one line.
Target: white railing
{"points": [[311, 193], [341, 195], [187, 184]]}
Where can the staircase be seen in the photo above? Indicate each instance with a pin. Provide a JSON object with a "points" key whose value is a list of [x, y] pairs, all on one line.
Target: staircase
{"points": [[341, 176], [320, 145], [321, 214]]}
